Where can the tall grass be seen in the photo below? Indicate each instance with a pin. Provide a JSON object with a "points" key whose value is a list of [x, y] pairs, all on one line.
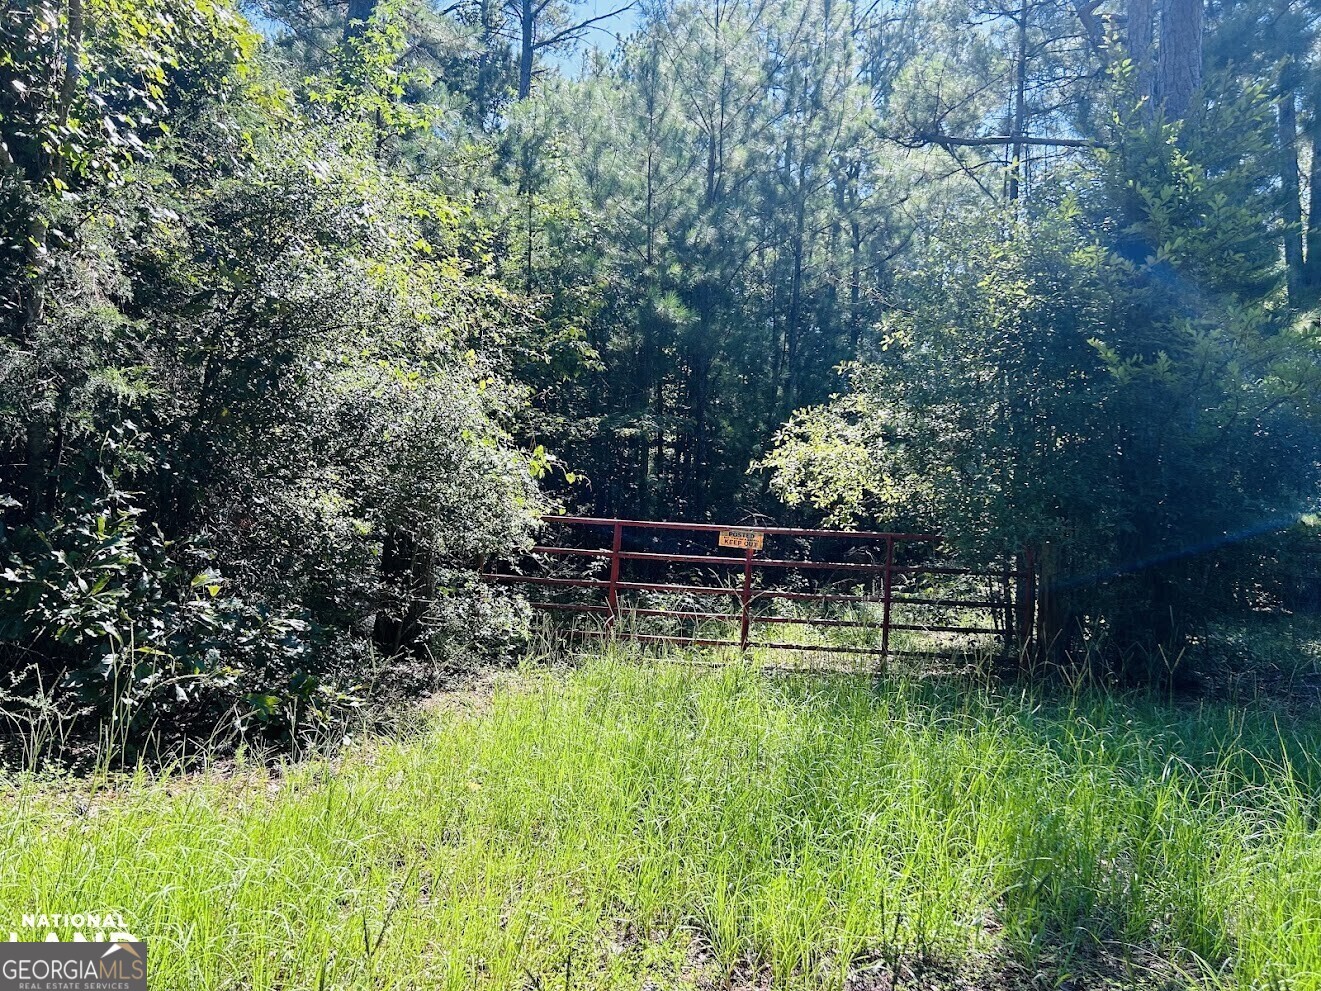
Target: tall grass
{"points": [[629, 825]]}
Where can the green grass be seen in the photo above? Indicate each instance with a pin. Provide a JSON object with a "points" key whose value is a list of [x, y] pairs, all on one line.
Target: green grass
{"points": [[657, 826]]}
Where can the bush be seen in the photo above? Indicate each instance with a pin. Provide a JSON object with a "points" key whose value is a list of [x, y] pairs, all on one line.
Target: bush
{"points": [[256, 422], [1126, 399]]}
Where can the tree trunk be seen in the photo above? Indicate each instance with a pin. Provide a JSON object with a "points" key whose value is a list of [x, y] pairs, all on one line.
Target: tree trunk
{"points": [[527, 241], [1049, 625], [527, 48], [659, 439], [793, 330], [1022, 610], [1293, 207], [855, 285], [1179, 68], [406, 571], [1020, 106], [1057, 624], [49, 165], [1141, 22], [1312, 246], [360, 12]]}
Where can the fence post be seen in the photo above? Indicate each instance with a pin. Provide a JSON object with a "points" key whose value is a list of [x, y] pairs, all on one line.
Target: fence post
{"points": [[885, 598], [1013, 589], [612, 593], [1025, 596], [1032, 607], [1050, 628], [746, 599]]}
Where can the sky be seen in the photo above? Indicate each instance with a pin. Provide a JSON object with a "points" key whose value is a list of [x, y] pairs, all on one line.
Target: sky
{"points": [[603, 35], [620, 24]]}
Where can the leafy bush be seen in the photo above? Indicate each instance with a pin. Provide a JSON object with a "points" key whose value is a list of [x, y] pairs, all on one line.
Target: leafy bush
{"points": [[256, 419], [1126, 399]]}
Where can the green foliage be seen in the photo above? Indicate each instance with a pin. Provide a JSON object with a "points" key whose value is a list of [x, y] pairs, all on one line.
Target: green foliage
{"points": [[149, 645], [90, 80], [87, 85], [369, 81], [275, 310], [835, 459], [1113, 385], [258, 422], [714, 221]]}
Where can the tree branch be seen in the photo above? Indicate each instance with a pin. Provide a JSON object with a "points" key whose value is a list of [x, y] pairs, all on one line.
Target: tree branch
{"points": [[946, 140], [576, 29], [1091, 24], [72, 70]]}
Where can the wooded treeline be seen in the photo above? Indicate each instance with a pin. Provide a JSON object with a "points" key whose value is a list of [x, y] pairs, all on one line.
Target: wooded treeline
{"points": [[725, 207], [311, 307]]}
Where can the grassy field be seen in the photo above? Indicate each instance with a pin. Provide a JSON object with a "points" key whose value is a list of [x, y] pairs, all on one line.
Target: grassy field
{"points": [[659, 826]]}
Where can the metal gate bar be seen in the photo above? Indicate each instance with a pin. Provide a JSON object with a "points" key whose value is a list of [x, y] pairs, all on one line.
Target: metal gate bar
{"points": [[1014, 610]]}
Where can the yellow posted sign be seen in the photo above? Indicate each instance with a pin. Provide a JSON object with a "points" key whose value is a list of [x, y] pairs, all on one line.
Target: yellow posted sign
{"points": [[744, 539]]}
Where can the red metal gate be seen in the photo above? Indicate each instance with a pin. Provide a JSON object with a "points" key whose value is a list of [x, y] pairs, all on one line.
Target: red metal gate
{"points": [[897, 560]]}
